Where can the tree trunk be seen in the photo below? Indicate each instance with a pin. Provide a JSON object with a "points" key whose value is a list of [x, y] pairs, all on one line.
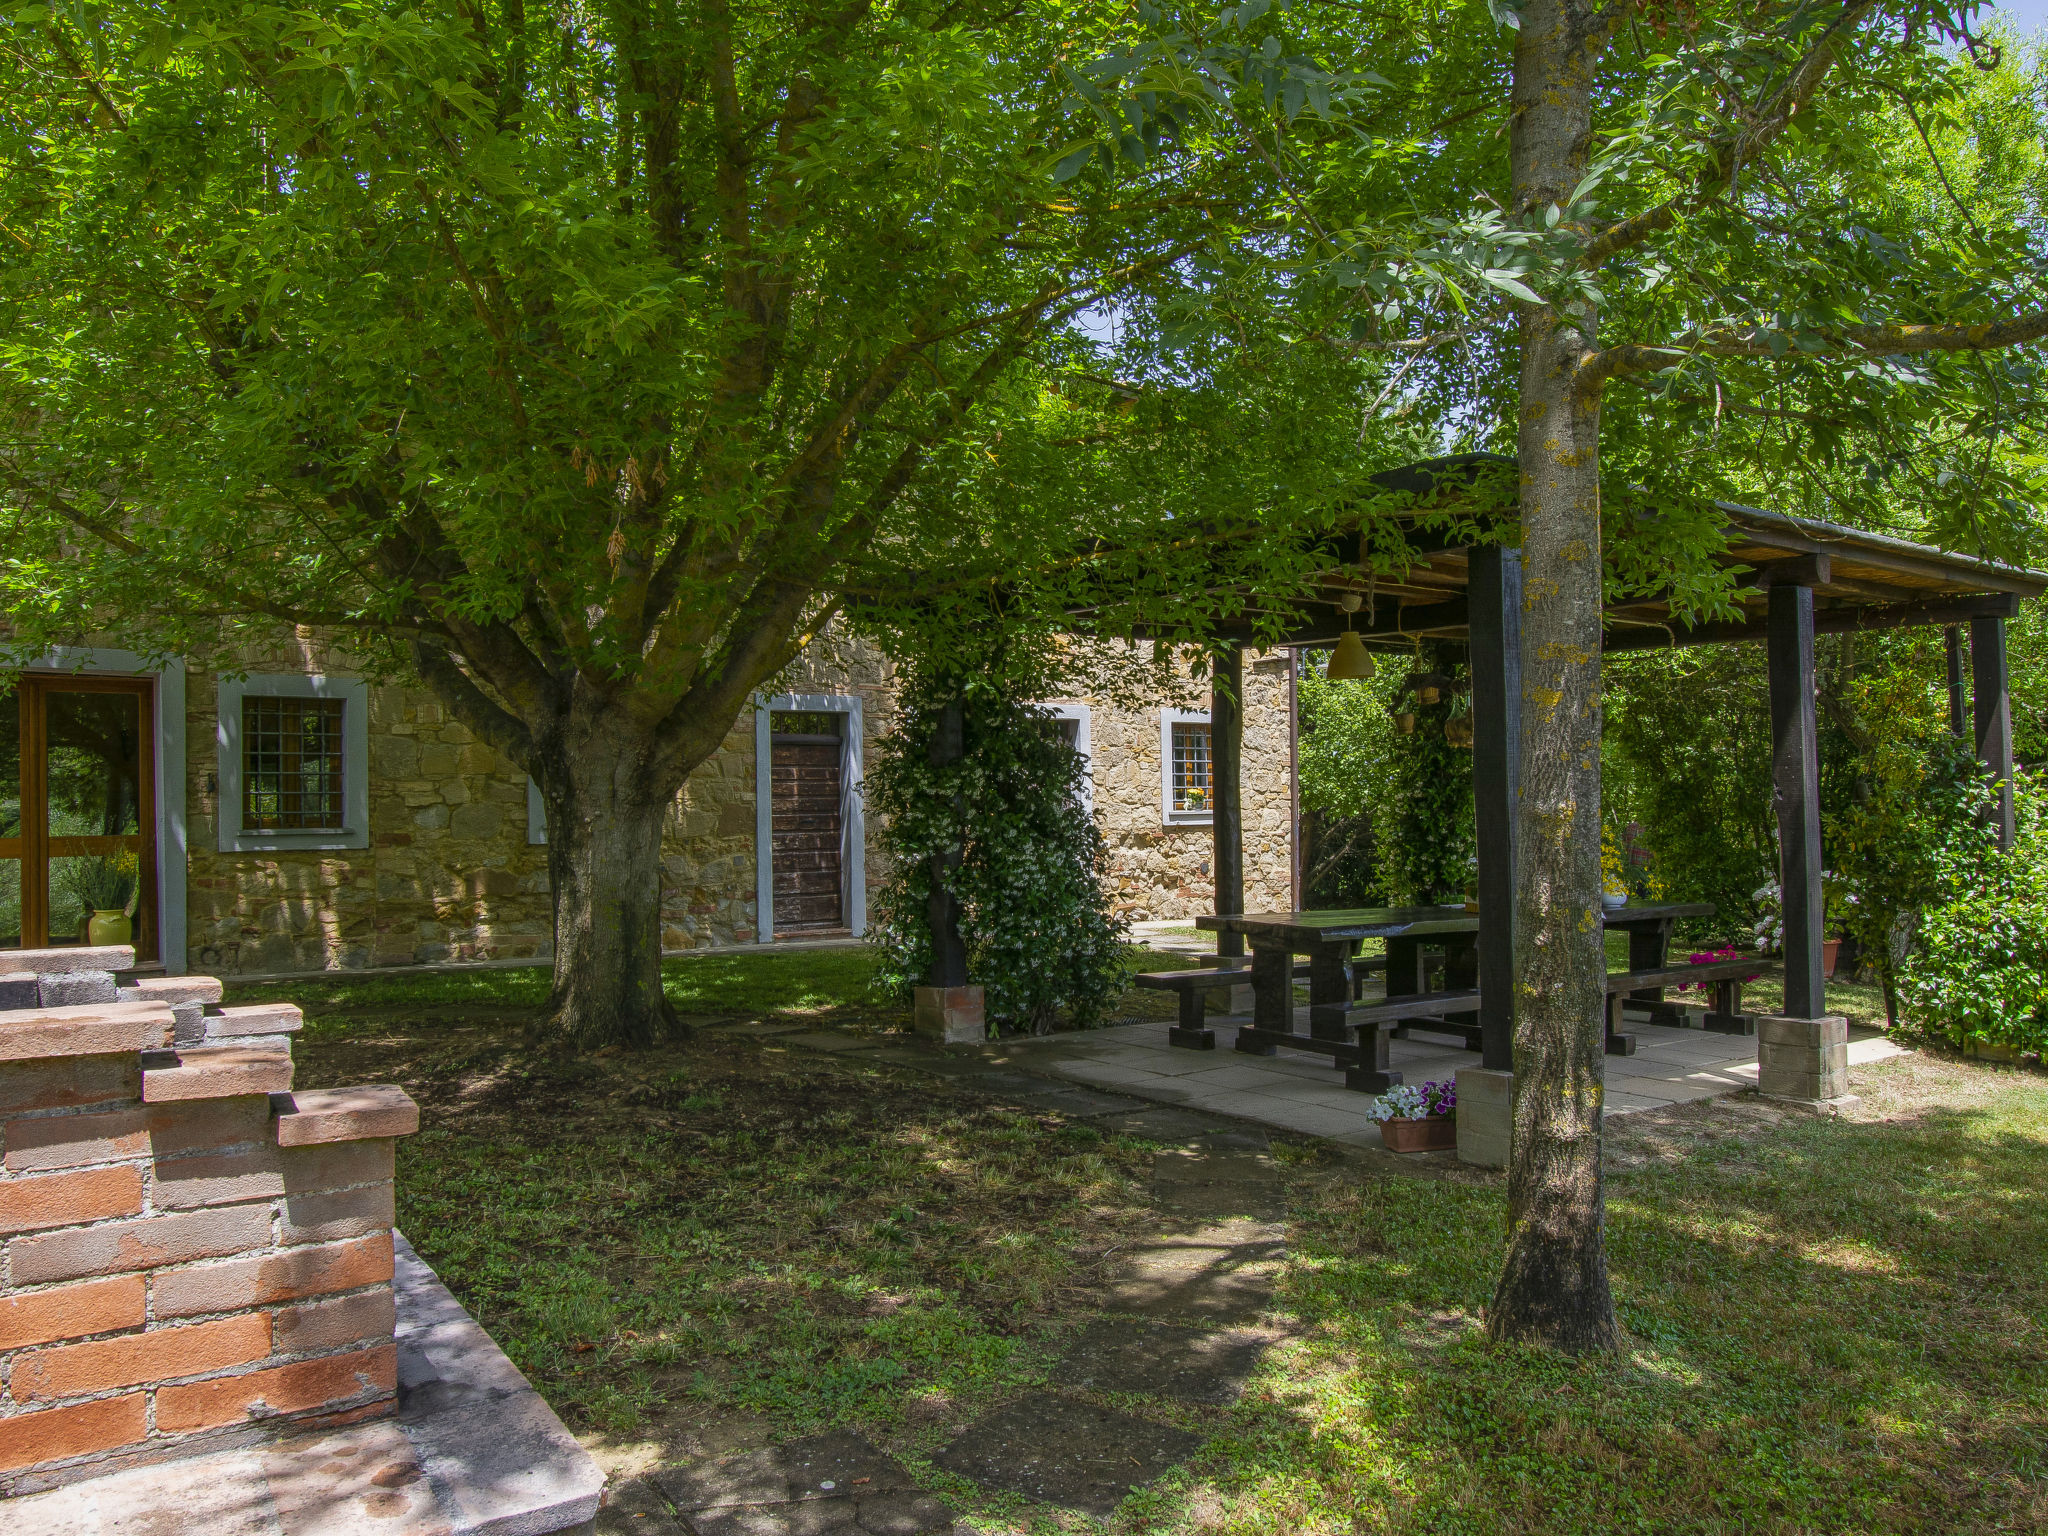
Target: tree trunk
{"points": [[604, 854], [1553, 1287]]}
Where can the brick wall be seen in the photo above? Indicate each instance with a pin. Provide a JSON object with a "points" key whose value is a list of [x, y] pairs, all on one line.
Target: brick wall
{"points": [[189, 1251]]}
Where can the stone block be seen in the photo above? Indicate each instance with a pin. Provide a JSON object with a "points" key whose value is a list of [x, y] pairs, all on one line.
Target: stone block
{"points": [[1486, 1114], [245, 1019], [120, 1247], [19, 992], [214, 1072], [188, 1026], [1774, 1029], [74, 957], [93, 1030], [75, 989], [174, 989], [1806, 1060], [346, 1114], [954, 1015]]}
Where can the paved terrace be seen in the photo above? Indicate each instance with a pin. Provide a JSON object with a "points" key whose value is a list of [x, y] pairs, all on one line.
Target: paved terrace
{"points": [[1295, 1091]]}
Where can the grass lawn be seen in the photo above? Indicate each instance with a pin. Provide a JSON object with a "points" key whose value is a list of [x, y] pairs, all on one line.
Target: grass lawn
{"points": [[1833, 1325]]}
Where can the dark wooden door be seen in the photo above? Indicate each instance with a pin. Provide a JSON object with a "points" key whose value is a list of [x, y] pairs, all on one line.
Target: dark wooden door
{"points": [[808, 830]]}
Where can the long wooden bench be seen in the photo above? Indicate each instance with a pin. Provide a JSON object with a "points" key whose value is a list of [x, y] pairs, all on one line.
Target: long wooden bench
{"points": [[1357, 1036], [1726, 977], [1194, 987]]}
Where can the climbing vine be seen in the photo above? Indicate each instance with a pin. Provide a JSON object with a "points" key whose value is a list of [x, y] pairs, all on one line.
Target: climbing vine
{"points": [[1040, 936]]}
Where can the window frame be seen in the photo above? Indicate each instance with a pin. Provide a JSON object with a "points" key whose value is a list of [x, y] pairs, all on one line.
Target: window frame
{"points": [[354, 694], [1168, 719], [1083, 746]]}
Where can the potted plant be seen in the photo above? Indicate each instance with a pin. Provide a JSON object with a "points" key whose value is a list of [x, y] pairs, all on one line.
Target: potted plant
{"points": [[1613, 873], [1423, 1119], [1838, 906], [105, 888]]}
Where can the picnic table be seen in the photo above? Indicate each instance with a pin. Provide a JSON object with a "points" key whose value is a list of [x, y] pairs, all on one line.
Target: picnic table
{"points": [[1331, 939]]}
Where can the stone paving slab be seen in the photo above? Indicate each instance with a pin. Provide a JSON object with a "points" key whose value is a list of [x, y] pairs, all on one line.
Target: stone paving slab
{"points": [[1295, 1092], [831, 1465], [821, 1485], [1218, 1272], [1120, 1355], [1071, 1454]]}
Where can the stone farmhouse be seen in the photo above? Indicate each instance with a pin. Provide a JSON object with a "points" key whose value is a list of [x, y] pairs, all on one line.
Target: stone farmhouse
{"points": [[285, 813]]}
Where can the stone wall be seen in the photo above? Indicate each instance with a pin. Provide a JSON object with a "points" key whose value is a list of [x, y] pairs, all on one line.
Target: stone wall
{"points": [[449, 873], [1161, 870]]}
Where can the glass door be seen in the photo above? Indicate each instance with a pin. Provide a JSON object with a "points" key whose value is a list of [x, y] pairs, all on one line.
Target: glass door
{"points": [[77, 811]]}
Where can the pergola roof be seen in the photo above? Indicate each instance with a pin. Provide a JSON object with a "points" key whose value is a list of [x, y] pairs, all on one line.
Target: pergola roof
{"points": [[1860, 580]]}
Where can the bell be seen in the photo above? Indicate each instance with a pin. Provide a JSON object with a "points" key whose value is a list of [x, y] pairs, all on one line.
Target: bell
{"points": [[1458, 733], [1404, 724], [1427, 694], [1350, 661]]}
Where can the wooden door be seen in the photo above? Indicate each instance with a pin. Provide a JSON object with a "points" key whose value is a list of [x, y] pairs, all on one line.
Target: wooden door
{"points": [[807, 778], [77, 801]]}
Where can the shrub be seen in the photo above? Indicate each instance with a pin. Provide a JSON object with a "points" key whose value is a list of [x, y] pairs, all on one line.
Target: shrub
{"points": [[1979, 971], [1040, 936]]}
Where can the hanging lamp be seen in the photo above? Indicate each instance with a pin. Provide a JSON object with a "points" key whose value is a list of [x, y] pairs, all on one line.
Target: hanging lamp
{"points": [[1350, 662]]}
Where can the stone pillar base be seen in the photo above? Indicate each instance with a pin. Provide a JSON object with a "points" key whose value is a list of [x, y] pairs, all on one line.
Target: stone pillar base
{"points": [[1230, 1001], [951, 1015], [1805, 1060], [1486, 1116]]}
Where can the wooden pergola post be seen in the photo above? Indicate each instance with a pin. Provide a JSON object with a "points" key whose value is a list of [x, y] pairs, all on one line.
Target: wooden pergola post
{"points": [[1991, 703], [1495, 594], [1795, 775], [1952, 644], [1226, 767]]}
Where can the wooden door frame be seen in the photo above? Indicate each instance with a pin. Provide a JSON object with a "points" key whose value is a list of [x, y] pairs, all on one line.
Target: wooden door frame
{"points": [[165, 675], [38, 847], [853, 825]]}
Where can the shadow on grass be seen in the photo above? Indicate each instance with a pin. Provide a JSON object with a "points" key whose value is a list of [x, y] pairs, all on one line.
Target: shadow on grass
{"points": [[1837, 1326]]}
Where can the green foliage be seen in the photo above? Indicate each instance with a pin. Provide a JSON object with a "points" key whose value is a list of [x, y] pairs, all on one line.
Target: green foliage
{"points": [[101, 884], [1979, 970], [1688, 762], [1040, 936], [1414, 792]]}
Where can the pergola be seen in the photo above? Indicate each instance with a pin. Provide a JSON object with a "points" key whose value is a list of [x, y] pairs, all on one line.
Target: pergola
{"points": [[1802, 578]]}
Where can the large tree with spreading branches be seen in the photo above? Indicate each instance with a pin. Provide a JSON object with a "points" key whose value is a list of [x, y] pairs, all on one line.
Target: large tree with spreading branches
{"points": [[1805, 239], [582, 360]]}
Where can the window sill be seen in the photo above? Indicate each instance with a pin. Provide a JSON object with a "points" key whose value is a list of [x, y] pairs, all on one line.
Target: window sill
{"points": [[295, 842]]}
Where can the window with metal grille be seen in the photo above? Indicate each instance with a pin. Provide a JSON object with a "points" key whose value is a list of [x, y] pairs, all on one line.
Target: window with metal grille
{"points": [[1193, 785], [291, 764]]}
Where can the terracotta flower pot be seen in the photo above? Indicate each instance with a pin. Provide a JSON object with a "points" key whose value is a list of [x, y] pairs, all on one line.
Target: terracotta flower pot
{"points": [[1437, 1133], [1829, 948]]}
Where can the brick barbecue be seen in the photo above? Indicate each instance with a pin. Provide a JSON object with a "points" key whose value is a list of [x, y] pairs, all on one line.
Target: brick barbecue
{"points": [[194, 1258]]}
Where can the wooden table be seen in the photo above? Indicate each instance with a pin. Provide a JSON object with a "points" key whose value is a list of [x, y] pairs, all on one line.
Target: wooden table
{"points": [[1331, 939]]}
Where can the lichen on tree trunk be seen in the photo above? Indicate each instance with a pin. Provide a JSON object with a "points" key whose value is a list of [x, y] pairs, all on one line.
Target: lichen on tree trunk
{"points": [[1553, 1286]]}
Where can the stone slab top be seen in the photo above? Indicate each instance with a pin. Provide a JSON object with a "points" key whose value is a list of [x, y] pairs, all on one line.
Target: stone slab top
{"points": [[176, 989], [254, 1019], [344, 1114], [73, 957], [213, 1072], [474, 1451], [86, 1029]]}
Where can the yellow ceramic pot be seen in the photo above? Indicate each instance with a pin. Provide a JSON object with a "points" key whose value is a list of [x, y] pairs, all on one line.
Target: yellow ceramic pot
{"points": [[110, 927]]}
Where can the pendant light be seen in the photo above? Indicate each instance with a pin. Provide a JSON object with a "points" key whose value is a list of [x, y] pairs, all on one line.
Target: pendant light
{"points": [[1350, 661]]}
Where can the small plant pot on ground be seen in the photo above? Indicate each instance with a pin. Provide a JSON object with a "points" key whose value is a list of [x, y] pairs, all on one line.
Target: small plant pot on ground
{"points": [[1437, 1133], [1829, 949]]}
